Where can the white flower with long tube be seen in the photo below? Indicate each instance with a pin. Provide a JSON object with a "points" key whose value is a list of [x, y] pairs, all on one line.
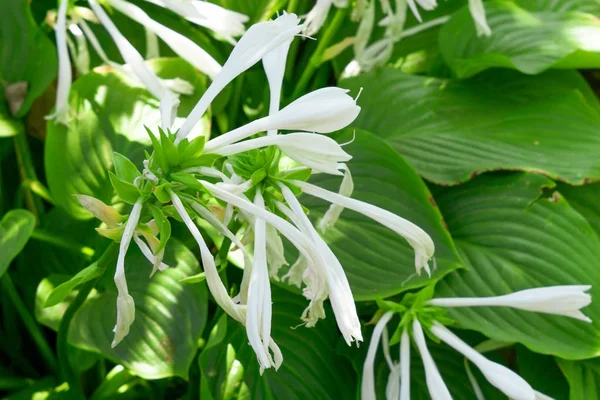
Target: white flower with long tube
{"points": [[404, 366], [257, 42], [274, 65], [226, 23], [125, 303], [323, 111], [181, 45], [435, 384], [567, 300], [65, 76], [498, 375], [316, 16], [367, 387], [415, 236]]}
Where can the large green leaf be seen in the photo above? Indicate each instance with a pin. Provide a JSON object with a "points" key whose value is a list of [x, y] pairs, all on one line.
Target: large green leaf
{"points": [[583, 377], [584, 199], [527, 35], [111, 113], [552, 382], [27, 55], [450, 131], [377, 261], [169, 320], [311, 368], [514, 238], [16, 227]]}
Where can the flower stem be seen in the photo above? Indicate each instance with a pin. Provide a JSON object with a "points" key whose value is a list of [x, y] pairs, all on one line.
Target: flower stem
{"points": [[291, 7], [32, 327], [323, 43], [53, 239], [62, 348]]}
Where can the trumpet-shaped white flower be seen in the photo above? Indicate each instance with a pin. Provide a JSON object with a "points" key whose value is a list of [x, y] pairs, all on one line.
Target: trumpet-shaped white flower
{"points": [[180, 44], [65, 76], [478, 13], [498, 375], [565, 300], [257, 42], [125, 303], [404, 366], [415, 236], [435, 384], [274, 64], [324, 110], [316, 16], [226, 23], [320, 153], [335, 210], [103, 212], [367, 387], [258, 314]]}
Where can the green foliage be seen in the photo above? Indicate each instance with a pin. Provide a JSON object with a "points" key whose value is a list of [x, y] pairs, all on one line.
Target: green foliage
{"points": [[16, 227]]}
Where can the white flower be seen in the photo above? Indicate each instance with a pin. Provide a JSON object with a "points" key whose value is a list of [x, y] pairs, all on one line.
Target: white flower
{"points": [[258, 313], [329, 267], [565, 300], [180, 44], [335, 210], [435, 384], [404, 366], [425, 4], [478, 13], [498, 375], [149, 255], [275, 252], [318, 152], [227, 23], [415, 236], [316, 16], [65, 76], [103, 212], [274, 64], [324, 110], [258, 41], [125, 303], [367, 387]]}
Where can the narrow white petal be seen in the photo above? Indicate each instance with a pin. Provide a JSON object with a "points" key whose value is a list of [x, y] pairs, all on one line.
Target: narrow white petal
{"points": [[148, 253], [367, 389], [335, 210], [416, 237], [317, 16], [125, 304], [435, 384], [392, 388], [405, 366], [65, 76], [274, 65], [498, 375], [478, 13]]}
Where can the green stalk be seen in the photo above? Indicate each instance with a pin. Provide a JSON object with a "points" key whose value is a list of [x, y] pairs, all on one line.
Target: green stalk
{"points": [[292, 6], [32, 327], [53, 239], [27, 172], [67, 373], [323, 43]]}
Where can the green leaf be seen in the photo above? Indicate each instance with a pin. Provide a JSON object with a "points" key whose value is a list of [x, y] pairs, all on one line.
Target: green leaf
{"points": [[514, 238], [583, 377], [378, 262], [164, 226], [125, 190], [169, 149], [9, 126], [28, 55], [311, 368], [169, 320], [187, 179], [451, 131], [584, 199], [528, 35], [552, 382], [16, 227], [194, 148], [112, 111], [59, 293], [256, 10], [124, 168]]}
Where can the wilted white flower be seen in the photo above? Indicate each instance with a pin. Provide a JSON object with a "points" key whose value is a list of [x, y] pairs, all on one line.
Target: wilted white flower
{"points": [[65, 76], [498, 375], [257, 42], [565, 300]]}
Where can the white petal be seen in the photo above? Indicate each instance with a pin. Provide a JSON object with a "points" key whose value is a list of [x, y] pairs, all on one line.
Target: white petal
{"points": [[416, 237], [65, 76], [274, 64], [148, 254], [498, 375], [275, 252], [258, 41], [435, 384], [103, 212], [405, 366], [367, 388], [125, 304], [335, 210], [478, 13], [316, 16]]}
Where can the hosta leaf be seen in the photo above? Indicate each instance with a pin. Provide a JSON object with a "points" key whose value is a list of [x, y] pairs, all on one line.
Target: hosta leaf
{"points": [[583, 378], [16, 227], [112, 111], [528, 35], [584, 199], [311, 368], [169, 320], [451, 131], [27, 53], [514, 238], [551, 382], [377, 261]]}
